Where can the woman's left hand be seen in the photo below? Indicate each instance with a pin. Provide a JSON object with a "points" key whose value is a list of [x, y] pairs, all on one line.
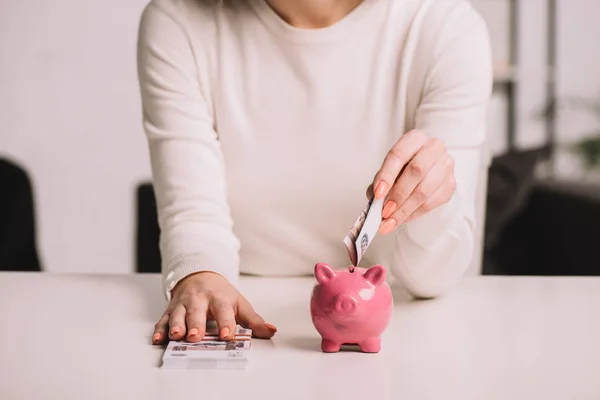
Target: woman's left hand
{"points": [[417, 175]]}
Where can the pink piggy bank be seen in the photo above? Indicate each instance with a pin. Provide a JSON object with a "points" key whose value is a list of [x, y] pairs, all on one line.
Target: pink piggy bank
{"points": [[351, 306]]}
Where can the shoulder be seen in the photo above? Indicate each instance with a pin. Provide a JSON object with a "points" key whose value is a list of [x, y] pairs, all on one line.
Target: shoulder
{"points": [[177, 13], [180, 9], [202, 17], [449, 11], [444, 21], [439, 27], [449, 32]]}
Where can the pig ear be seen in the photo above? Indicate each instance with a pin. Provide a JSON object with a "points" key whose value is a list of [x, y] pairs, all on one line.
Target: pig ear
{"points": [[324, 272], [376, 275]]}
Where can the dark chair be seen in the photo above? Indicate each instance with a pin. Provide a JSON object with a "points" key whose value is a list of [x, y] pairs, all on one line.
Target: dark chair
{"points": [[18, 247], [556, 233], [148, 258], [539, 227], [510, 183]]}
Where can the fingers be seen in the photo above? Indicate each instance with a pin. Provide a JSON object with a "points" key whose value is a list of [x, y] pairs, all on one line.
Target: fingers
{"points": [[177, 323], [396, 159], [422, 195], [424, 174], [442, 195], [196, 320], [403, 192], [432, 181], [250, 319], [222, 311], [160, 329]]}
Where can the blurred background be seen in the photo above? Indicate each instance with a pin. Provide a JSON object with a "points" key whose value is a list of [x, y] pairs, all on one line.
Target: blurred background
{"points": [[75, 193]]}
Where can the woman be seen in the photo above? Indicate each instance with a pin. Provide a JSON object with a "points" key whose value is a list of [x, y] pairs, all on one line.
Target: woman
{"points": [[268, 119]]}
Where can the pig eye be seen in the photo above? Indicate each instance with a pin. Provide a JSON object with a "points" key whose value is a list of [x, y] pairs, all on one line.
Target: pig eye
{"points": [[351, 269]]}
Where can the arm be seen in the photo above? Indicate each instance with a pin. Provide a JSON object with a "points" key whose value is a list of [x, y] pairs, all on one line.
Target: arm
{"points": [[434, 250], [187, 164]]}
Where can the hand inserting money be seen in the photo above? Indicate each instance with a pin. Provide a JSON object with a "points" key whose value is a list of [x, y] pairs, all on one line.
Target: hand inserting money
{"points": [[417, 176]]}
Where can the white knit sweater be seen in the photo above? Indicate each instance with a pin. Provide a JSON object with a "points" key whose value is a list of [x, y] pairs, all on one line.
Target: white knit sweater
{"points": [[263, 137]]}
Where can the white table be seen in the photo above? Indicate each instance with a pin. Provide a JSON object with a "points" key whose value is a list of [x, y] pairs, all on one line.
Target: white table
{"points": [[88, 337]]}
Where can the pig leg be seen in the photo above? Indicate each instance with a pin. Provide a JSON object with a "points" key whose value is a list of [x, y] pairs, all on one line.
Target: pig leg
{"points": [[372, 345], [329, 346]]}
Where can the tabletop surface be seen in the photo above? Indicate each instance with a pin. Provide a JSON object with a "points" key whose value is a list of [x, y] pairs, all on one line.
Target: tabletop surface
{"points": [[88, 337]]}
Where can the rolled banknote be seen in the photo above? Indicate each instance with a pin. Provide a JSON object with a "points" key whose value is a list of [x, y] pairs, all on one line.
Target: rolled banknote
{"points": [[369, 228], [350, 239]]}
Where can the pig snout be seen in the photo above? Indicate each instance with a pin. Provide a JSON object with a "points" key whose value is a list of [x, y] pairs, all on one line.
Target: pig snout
{"points": [[346, 305]]}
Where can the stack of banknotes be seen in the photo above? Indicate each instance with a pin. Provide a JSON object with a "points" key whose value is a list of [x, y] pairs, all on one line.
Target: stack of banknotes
{"points": [[211, 352]]}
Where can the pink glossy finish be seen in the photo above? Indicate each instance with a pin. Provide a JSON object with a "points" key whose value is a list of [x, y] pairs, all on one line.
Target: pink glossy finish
{"points": [[351, 306]]}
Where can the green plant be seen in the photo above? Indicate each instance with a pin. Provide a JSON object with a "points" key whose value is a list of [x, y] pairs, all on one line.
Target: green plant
{"points": [[588, 149]]}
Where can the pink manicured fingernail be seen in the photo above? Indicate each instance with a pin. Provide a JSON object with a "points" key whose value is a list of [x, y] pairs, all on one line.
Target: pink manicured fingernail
{"points": [[193, 332], [380, 189], [224, 332], [387, 226], [156, 337], [271, 327], [175, 331], [389, 208]]}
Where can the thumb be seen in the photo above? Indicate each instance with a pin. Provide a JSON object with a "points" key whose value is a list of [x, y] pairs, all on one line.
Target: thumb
{"points": [[248, 318]]}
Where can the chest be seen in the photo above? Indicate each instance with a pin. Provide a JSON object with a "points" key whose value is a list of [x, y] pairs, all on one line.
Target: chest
{"points": [[312, 102], [311, 112]]}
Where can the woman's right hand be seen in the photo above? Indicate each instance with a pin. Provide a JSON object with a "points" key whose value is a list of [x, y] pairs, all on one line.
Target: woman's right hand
{"points": [[202, 296]]}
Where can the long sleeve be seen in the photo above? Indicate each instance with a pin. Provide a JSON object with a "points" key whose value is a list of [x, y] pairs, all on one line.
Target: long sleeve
{"points": [[187, 165], [433, 252]]}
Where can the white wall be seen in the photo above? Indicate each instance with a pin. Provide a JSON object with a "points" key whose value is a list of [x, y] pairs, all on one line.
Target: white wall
{"points": [[69, 111]]}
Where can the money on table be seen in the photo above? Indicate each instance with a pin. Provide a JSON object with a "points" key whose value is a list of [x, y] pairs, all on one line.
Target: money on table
{"points": [[211, 352]]}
